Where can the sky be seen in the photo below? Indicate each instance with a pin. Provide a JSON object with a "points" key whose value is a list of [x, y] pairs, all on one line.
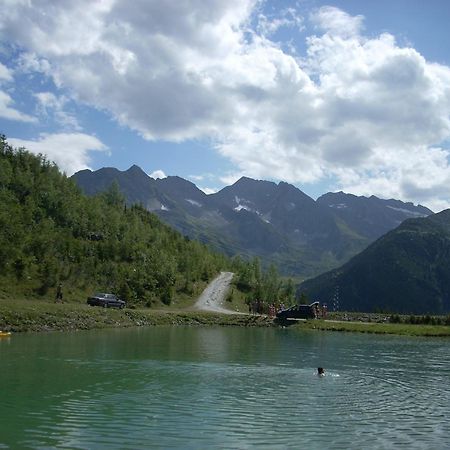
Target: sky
{"points": [[350, 95]]}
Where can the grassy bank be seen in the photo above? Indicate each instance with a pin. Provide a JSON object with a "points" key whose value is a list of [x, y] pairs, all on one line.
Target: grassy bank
{"points": [[35, 315], [376, 328], [38, 315]]}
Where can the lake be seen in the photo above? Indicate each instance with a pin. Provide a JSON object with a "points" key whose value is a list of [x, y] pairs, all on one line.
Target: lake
{"points": [[182, 387]]}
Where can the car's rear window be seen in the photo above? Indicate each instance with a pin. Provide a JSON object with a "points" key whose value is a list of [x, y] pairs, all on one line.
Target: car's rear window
{"points": [[103, 295]]}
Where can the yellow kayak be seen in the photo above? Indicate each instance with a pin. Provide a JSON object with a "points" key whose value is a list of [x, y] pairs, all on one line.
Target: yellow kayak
{"points": [[5, 333]]}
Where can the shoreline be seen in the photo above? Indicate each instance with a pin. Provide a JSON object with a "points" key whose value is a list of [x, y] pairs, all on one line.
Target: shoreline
{"points": [[40, 316], [393, 329]]}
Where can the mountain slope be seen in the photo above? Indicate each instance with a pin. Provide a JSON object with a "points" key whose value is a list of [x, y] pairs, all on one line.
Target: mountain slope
{"points": [[283, 205], [314, 239], [181, 204], [134, 183], [371, 216], [276, 222], [405, 271]]}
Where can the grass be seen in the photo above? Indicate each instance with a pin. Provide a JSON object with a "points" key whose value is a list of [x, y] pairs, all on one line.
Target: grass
{"points": [[22, 315], [377, 328], [39, 315], [235, 299], [23, 311]]}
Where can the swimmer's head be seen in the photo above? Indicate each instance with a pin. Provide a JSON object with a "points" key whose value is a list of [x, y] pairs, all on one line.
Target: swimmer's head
{"points": [[320, 371]]}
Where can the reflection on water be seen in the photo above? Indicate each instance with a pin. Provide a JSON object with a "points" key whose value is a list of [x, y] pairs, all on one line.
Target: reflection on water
{"points": [[223, 388]]}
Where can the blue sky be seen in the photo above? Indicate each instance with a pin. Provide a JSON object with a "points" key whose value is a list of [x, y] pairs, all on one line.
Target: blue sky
{"points": [[343, 95]]}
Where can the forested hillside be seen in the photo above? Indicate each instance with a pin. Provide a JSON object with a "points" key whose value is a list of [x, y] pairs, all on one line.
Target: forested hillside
{"points": [[405, 271], [51, 233]]}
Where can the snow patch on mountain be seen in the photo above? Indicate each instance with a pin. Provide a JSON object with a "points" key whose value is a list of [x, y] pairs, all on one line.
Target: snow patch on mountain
{"points": [[240, 207], [242, 203], [193, 202], [290, 206], [339, 206], [407, 211]]}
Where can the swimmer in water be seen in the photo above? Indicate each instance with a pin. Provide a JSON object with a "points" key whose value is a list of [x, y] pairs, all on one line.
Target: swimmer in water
{"points": [[320, 372]]}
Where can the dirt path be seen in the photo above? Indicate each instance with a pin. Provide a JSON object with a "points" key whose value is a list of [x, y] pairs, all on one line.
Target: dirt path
{"points": [[213, 297]]}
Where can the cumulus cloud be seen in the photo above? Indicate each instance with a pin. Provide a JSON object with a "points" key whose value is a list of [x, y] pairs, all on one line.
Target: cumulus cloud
{"points": [[158, 174], [70, 151], [361, 111]]}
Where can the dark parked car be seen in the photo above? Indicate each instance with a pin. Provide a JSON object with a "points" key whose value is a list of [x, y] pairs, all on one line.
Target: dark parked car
{"points": [[106, 300], [299, 312]]}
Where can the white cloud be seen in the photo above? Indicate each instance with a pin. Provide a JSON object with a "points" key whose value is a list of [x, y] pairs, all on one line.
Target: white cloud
{"points": [[51, 105], [197, 177], [7, 112], [288, 17], [360, 110], [231, 178], [208, 191], [70, 151], [158, 174], [6, 101], [337, 22], [207, 176], [5, 73], [29, 63]]}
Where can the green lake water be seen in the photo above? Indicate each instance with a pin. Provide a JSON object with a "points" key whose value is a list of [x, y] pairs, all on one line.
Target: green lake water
{"points": [[195, 388]]}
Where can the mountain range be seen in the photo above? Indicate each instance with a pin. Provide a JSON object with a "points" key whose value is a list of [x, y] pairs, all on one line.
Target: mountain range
{"points": [[405, 271], [279, 223]]}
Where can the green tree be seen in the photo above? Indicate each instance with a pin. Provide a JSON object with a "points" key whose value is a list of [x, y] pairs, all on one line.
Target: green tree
{"points": [[289, 292], [113, 196]]}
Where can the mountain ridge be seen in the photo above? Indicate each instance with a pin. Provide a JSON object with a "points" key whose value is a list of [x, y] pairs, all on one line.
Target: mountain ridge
{"points": [[277, 222]]}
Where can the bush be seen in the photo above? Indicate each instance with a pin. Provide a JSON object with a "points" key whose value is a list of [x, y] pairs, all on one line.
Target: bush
{"points": [[395, 318]]}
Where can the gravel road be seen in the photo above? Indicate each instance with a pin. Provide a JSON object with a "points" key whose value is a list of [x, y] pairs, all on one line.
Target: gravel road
{"points": [[213, 297]]}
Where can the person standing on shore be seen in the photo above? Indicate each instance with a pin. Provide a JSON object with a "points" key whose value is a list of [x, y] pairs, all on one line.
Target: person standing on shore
{"points": [[59, 294]]}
